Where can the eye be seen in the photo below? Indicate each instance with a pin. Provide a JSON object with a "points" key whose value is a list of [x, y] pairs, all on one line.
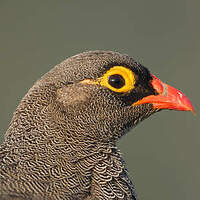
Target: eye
{"points": [[118, 79]]}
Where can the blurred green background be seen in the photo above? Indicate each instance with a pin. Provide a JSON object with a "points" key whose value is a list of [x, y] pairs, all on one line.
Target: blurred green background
{"points": [[162, 153]]}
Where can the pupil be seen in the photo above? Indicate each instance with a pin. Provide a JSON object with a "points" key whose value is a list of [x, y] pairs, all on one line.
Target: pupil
{"points": [[116, 81]]}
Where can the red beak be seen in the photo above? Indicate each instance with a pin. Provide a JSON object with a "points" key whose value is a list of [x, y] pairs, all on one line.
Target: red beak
{"points": [[167, 98]]}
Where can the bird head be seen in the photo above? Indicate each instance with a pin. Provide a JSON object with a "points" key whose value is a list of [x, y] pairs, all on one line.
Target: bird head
{"points": [[98, 96]]}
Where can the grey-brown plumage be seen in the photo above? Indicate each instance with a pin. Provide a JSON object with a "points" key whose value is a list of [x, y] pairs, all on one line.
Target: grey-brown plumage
{"points": [[61, 143]]}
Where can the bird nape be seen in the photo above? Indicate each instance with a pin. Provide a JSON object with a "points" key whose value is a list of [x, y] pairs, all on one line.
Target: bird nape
{"points": [[61, 142]]}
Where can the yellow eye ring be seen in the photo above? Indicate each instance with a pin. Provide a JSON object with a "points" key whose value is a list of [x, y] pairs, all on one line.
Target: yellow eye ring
{"points": [[126, 74]]}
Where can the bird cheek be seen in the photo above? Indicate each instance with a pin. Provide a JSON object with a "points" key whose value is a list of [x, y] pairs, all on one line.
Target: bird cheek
{"points": [[72, 95]]}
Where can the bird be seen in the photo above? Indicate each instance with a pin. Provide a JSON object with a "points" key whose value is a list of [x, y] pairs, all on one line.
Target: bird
{"points": [[61, 141]]}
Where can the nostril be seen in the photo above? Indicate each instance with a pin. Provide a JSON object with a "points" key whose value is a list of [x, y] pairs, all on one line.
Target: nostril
{"points": [[157, 85]]}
